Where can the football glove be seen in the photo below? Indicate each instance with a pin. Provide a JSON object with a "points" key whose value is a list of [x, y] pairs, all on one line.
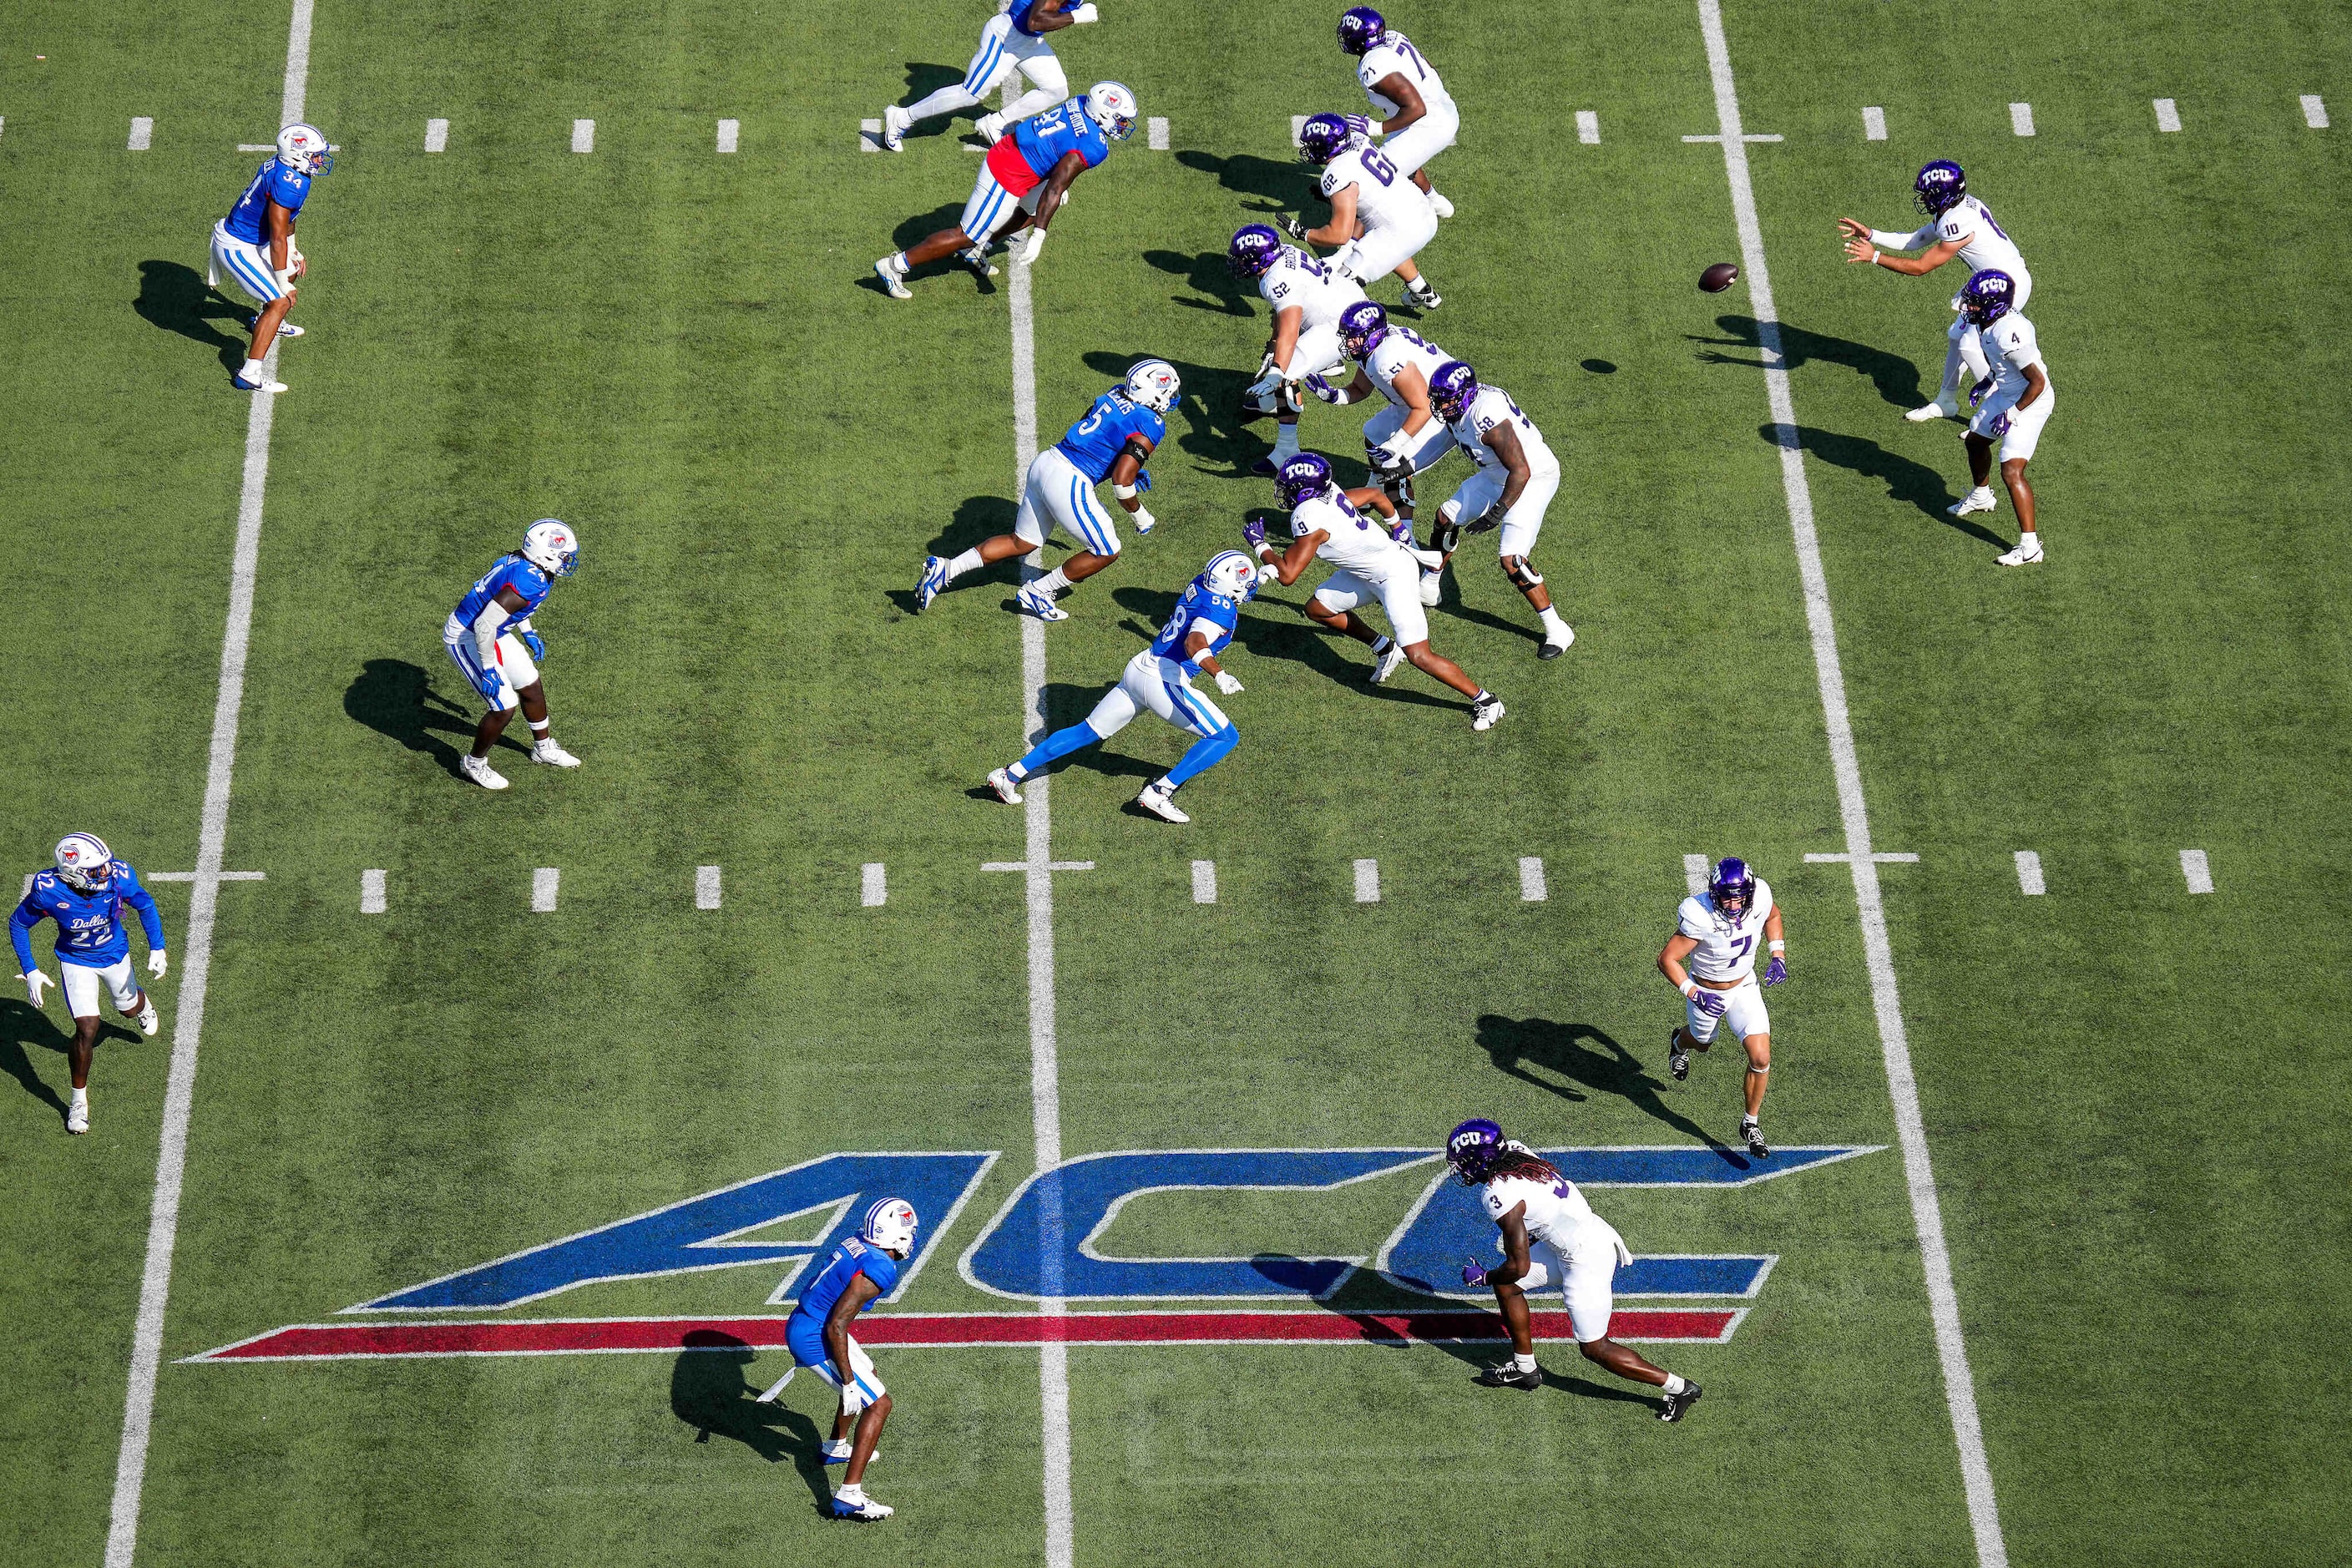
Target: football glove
{"points": [[1082, 14], [1227, 684], [531, 639], [1474, 1273], [2001, 424], [1142, 480], [1401, 531], [34, 981], [1389, 459], [1254, 532], [157, 964], [1777, 971], [1335, 395], [852, 1400], [1707, 1001], [1293, 226], [1485, 522], [1024, 250], [1359, 125], [1265, 387], [1976, 393]]}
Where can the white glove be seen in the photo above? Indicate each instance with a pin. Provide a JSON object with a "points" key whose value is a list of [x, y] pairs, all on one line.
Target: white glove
{"points": [[156, 964], [1389, 455], [297, 264], [34, 981], [1143, 520], [852, 1401], [1265, 387], [1084, 14], [1026, 248], [1227, 684]]}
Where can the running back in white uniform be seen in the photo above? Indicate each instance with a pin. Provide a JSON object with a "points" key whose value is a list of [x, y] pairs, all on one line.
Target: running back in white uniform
{"points": [[2013, 346], [1398, 220], [1570, 1246], [1370, 564], [1319, 294], [1417, 144], [1399, 348], [1481, 491], [1727, 950]]}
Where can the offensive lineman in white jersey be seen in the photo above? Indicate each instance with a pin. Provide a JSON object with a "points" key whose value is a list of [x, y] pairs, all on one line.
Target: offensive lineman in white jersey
{"points": [[1013, 40], [1417, 113], [1378, 221], [1307, 298], [1550, 1236], [2015, 408], [1716, 935], [1516, 478], [1406, 436], [1958, 225]]}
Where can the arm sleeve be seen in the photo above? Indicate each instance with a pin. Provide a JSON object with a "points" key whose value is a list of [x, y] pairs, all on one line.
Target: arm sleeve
{"points": [[150, 919], [20, 932], [1918, 239], [486, 628]]}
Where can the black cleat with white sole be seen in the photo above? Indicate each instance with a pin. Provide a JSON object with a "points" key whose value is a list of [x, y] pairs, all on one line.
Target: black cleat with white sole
{"points": [[1505, 1374], [1677, 1059], [1677, 1406], [1755, 1136]]}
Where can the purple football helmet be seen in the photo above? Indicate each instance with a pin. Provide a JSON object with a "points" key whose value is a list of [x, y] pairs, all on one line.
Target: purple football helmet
{"points": [[1303, 477], [1362, 325], [1471, 1148], [1323, 138], [1938, 187], [1360, 30], [1452, 388], [1732, 891], [1987, 296], [1253, 250]]}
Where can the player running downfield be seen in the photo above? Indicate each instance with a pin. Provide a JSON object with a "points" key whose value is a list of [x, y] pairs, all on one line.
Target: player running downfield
{"points": [[1113, 442], [1308, 298], [1958, 225], [1417, 113], [1550, 1237], [1372, 562], [1159, 680], [1379, 220], [1013, 40], [1516, 478], [255, 245], [85, 893], [861, 1271], [1023, 183], [490, 641], [1716, 935], [1406, 436], [2014, 406]]}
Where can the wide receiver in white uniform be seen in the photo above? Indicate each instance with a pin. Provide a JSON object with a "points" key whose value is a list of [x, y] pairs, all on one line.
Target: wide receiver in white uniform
{"points": [[1013, 40], [1716, 935], [1406, 436], [1516, 478], [1308, 296], [1550, 1236], [1958, 225], [1379, 220], [2015, 409], [1416, 112]]}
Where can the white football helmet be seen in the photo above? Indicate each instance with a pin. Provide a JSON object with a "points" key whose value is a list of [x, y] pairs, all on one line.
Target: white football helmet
{"points": [[1154, 383], [1231, 574], [552, 546], [84, 862], [1111, 105], [303, 149], [890, 1226]]}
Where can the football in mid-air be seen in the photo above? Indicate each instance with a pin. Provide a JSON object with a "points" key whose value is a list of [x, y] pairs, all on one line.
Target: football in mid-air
{"points": [[1718, 277]]}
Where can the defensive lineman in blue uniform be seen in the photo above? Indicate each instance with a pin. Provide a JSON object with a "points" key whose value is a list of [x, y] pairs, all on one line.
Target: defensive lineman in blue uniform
{"points": [[861, 1271], [1112, 442], [1013, 40], [84, 892], [490, 641], [1159, 680], [255, 245]]}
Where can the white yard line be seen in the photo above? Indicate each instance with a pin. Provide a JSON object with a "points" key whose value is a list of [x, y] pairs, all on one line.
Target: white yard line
{"points": [[1533, 888], [1155, 133], [2315, 112], [436, 136], [873, 890], [1695, 874], [1902, 1088], [2196, 871], [143, 134], [2028, 874], [1204, 882], [1588, 127], [203, 901], [706, 888], [1874, 125], [1368, 881], [730, 135], [2021, 118], [546, 885], [372, 899], [2167, 114], [584, 136]]}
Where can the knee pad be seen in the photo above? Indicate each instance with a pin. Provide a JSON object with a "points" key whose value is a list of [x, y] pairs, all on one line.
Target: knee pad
{"points": [[1522, 575]]}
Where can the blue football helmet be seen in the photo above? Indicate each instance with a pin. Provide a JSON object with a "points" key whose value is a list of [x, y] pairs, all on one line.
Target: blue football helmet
{"points": [[1452, 388], [1361, 29], [1987, 296], [1732, 891], [1253, 250], [1323, 138], [1938, 187], [1471, 1148], [1302, 478], [1362, 325]]}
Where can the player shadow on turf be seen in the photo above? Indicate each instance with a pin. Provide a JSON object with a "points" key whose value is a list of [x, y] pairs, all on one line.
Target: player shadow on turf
{"points": [[919, 227], [1212, 396], [1283, 185], [22, 1025], [177, 299], [1519, 1045], [1905, 480], [394, 698], [1299, 640], [708, 1392], [1207, 274], [1897, 378], [976, 517]]}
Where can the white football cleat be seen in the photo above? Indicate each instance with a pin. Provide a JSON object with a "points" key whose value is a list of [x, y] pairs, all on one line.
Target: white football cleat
{"points": [[1156, 801], [148, 1024], [77, 1117], [1554, 647], [932, 582], [1040, 605], [555, 756], [1980, 499], [1488, 714], [973, 260], [894, 278], [285, 328], [990, 127], [861, 1508], [1431, 585], [1444, 209], [1388, 662], [236, 379], [1945, 407], [895, 122], [478, 769], [1001, 781], [2027, 554]]}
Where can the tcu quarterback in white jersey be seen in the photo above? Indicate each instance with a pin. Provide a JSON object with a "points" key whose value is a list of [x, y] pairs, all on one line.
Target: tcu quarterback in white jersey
{"points": [[1308, 296], [1516, 478], [1549, 1238], [1958, 225], [2015, 407], [1379, 220], [1711, 959], [1416, 112], [1406, 436], [1013, 41]]}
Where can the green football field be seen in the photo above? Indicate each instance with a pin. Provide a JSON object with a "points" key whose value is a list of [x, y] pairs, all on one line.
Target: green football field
{"points": [[2075, 1289]]}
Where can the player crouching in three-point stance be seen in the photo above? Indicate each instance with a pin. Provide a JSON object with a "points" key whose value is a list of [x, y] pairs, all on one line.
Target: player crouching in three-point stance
{"points": [[2014, 405], [1374, 561], [1159, 680], [861, 1271], [255, 245], [1550, 1237], [1406, 436], [1308, 296], [1516, 478], [84, 892], [1113, 442], [1013, 40], [1716, 935], [1023, 184], [490, 641]]}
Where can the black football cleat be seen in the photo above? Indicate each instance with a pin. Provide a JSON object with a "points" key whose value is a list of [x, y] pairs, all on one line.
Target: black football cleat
{"points": [[1677, 1406], [1677, 1059], [1504, 1374], [1755, 1136]]}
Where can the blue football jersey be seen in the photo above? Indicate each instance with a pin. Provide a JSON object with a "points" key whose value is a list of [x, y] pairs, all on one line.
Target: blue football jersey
{"points": [[1094, 442], [1019, 12], [1045, 139], [289, 188], [850, 1260], [90, 925], [1199, 610], [511, 572]]}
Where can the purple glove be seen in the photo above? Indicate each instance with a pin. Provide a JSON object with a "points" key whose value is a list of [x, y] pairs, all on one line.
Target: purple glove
{"points": [[1359, 125], [1324, 389], [1976, 393], [1777, 971], [1401, 531], [1474, 1273], [2000, 425], [1254, 532], [1707, 1001]]}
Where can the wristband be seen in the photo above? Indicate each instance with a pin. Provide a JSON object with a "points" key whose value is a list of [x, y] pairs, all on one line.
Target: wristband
{"points": [[1690, 988], [1776, 947]]}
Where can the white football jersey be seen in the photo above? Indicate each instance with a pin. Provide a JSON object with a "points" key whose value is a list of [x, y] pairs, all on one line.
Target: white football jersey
{"points": [[1983, 242], [1727, 948], [1355, 540], [1296, 278], [1398, 348], [2011, 346], [1394, 55], [1384, 198], [1554, 1211], [1491, 407]]}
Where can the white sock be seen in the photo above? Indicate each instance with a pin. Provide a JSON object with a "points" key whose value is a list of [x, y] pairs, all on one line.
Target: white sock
{"points": [[1058, 581], [1015, 771], [80, 1098], [898, 262], [1285, 443], [1552, 623], [852, 1492], [968, 561], [1674, 1384], [253, 371], [1523, 1363]]}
